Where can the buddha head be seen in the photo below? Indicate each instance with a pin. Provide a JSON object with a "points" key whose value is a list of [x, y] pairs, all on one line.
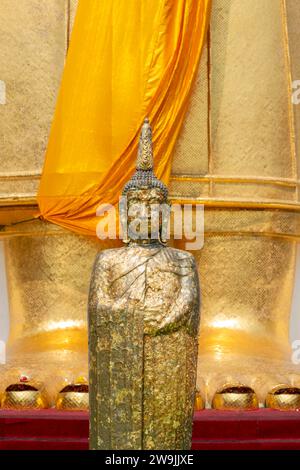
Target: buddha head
{"points": [[144, 214]]}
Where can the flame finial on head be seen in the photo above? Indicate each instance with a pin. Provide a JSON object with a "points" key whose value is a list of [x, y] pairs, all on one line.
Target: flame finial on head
{"points": [[145, 152], [144, 176]]}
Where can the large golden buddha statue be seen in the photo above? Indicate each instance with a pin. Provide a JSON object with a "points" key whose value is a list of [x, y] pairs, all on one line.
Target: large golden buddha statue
{"points": [[143, 327], [246, 175]]}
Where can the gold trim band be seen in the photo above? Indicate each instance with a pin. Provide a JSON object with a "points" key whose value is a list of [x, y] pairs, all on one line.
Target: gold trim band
{"points": [[290, 182]]}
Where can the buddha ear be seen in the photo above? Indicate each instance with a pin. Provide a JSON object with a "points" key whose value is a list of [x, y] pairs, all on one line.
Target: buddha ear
{"points": [[124, 228], [124, 233], [165, 227], [123, 222], [162, 241]]}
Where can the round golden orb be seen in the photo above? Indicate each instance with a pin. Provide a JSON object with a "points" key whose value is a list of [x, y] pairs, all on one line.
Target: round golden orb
{"points": [[199, 402], [74, 397], [23, 396], [235, 397], [284, 398]]}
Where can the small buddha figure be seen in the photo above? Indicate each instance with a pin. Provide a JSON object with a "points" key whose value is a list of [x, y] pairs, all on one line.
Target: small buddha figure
{"points": [[143, 329]]}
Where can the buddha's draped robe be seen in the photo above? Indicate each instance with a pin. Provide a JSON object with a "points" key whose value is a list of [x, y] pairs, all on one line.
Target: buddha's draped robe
{"points": [[143, 323]]}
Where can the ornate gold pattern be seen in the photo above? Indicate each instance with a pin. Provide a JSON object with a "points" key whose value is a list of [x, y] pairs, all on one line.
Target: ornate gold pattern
{"points": [[24, 400], [144, 176], [24, 395], [73, 401], [283, 397], [74, 397], [235, 397], [145, 156]]}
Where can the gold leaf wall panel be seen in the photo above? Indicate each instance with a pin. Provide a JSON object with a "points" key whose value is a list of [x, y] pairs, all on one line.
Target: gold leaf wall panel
{"points": [[192, 149], [249, 90], [48, 272], [247, 263], [33, 38], [250, 121], [292, 12]]}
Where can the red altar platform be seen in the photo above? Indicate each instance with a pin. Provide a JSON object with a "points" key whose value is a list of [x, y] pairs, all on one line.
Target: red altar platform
{"points": [[56, 430]]}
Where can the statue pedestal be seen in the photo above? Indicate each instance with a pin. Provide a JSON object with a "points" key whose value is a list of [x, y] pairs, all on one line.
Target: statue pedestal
{"points": [[263, 429]]}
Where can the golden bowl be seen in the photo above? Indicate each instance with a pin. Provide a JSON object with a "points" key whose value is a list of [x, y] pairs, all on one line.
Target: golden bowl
{"points": [[235, 397], [199, 402], [284, 398], [73, 397], [23, 397]]}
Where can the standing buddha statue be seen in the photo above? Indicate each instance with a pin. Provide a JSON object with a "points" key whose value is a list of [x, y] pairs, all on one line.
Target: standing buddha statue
{"points": [[143, 329]]}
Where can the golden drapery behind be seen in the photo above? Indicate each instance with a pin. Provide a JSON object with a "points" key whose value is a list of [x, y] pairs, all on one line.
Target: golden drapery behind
{"points": [[127, 60]]}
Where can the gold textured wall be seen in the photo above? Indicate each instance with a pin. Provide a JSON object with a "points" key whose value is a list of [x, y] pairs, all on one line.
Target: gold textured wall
{"points": [[238, 154], [293, 30], [48, 272], [34, 36], [242, 104]]}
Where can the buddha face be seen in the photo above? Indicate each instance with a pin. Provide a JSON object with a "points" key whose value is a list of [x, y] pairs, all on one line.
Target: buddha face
{"points": [[145, 209]]}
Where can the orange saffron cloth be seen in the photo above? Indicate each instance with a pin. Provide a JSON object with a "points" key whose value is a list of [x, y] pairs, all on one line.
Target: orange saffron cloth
{"points": [[128, 59]]}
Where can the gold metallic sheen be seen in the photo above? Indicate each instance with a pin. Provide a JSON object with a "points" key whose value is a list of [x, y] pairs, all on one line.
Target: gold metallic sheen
{"points": [[72, 401], [23, 400], [145, 152], [32, 56], [283, 397], [143, 346], [244, 173], [199, 402], [235, 397], [247, 176], [143, 325], [48, 278]]}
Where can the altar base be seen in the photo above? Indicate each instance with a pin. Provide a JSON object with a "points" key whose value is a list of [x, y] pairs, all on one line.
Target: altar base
{"points": [[263, 429]]}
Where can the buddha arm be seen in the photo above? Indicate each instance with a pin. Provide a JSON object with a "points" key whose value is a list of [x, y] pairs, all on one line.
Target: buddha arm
{"points": [[99, 298], [185, 308]]}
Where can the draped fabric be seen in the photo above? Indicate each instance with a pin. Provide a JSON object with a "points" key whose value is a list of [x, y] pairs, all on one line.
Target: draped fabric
{"points": [[128, 59]]}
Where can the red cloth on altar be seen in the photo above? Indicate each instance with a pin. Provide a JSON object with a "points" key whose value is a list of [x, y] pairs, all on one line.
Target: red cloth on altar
{"points": [[263, 429]]}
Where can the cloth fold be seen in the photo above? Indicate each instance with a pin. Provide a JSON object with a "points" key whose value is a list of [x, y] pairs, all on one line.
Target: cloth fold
{"points": [[127, 60]]}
